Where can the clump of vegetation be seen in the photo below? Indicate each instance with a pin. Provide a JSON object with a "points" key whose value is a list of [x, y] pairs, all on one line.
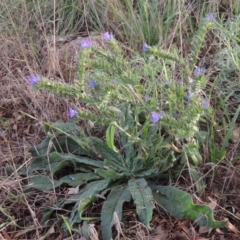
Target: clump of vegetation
{"points": [[152, 131]]}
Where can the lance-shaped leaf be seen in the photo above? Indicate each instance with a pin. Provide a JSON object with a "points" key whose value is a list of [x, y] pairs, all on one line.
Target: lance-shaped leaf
{"points": [[180, 205], [110, 137], [113, 204], [68, 127], [78, 179], [197, 177], [59, 144], [82, 206], [107, 153], [87, 195], [44, 183], [142, 196], [56, 161], [110, 173], [90, 189]]}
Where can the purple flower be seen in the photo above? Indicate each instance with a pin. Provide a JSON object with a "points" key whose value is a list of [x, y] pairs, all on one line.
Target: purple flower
{"points": [[86, 43], [147, 98], [210, 17], [189, 95], [199, 71], [72, 113], [114, 82], [146, 47], [206, 104], [180, 81], [93, 84], [155, 116], [107, 36], [34, 79], [167, 82]]}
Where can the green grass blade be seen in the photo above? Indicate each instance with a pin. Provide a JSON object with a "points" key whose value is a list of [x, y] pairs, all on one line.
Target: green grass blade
{"points": [[230, 130], [67, 226]]}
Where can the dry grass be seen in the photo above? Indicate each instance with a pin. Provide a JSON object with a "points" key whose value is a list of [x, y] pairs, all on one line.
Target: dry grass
{"points": [[20, 56]]}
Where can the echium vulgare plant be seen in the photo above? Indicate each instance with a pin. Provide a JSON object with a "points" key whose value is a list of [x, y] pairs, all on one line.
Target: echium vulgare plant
{"points": [[151, 129]]}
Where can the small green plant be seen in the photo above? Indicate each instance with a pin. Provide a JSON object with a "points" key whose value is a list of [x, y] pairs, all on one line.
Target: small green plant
{"points": [[150, 120]]}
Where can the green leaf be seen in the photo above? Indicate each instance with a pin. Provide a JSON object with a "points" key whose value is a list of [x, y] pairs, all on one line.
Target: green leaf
{"points": [[90, 189], [41, 148], [127, 80], [77, 179], [192, 151], [217, 154], [135, 164], [230, 130], [82, 206], [113, 205], [57, 161], [46, 214], [180, 205], [68, 127], [128, 147], [74, 217], [110, 137], [108, 164], [202, 136], [167, 162], [67, 225], [85, 230], [127, 121], [198, 179], [142, 196], [106, 173], [42, 183], [58, 144], [38, 164], [76, 159], [106, 152], [148, 173]]}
